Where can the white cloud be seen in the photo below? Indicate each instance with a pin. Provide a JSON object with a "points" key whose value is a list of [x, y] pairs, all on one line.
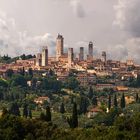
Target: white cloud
{"points": [[78, 8], [13, 42], [128, 17]]}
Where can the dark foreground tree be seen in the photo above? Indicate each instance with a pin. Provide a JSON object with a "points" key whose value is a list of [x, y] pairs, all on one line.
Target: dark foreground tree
{"points": [[73, 120], [109, 102], [62, 108], [48, 114], [123, 101], [90, 93], [94, 101], [75, 116], [83, 105], [137, 98], [30, 113], [115, 101], [14, 109], [9, 73], [25, 111], [30, 72]]}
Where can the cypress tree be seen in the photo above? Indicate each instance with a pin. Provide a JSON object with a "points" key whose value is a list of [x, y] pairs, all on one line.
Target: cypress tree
{"points": [[14, 109], [17, 111], [62, 108], [109, 102], [94, 101], [137, 98], [83, 105], [30, 71], [123, 101], [30, 113], [75, 116], [48, 114], [90, 93], [23, 71], [25, 111], [115, 101]]}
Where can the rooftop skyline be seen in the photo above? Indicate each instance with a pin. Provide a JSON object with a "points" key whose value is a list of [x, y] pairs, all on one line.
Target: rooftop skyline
{"points": [[112, 25]]}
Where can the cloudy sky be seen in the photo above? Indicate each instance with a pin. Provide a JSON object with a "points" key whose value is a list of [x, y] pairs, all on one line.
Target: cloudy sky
{"points": [[113, 26]]}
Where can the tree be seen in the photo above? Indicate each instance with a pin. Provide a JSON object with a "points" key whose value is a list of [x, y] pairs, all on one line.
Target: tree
{"points": [[3, 83], [73, 120], [123, 101], [29, 136], [48, 114], [115, 101], [109, 102], [90, 93], [137, 98], [4, 112], [94, 101], [34, 83], [75, 116], [72, 83], [14, 109], [18, 80], [30, 72], [23, 71], [83, 105], [25, 111], [30, 113], [62, 108], [9, 73], [51, 83], [11, 128], [23, 57]]}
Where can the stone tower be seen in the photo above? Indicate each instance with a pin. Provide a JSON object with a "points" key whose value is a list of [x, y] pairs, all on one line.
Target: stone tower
{"points": [[104, 56], [45, 56], [38, 59], [59, 46], [81, 54], [70, 57], [90, 51]]}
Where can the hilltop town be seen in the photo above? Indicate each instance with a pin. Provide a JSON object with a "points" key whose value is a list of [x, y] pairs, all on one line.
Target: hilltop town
{"points": [[51, 95], [68, 91], [87, 69], [69, 70]]}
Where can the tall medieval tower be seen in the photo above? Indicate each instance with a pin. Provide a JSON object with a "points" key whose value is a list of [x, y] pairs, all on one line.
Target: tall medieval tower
{"points": [[45, 56], [70, 57], [59, 46], [90, 50]]}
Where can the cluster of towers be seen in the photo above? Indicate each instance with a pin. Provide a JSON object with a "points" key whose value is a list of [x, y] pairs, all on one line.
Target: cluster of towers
{"points": [[70, 54], [90, 52], [42, 58]]}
